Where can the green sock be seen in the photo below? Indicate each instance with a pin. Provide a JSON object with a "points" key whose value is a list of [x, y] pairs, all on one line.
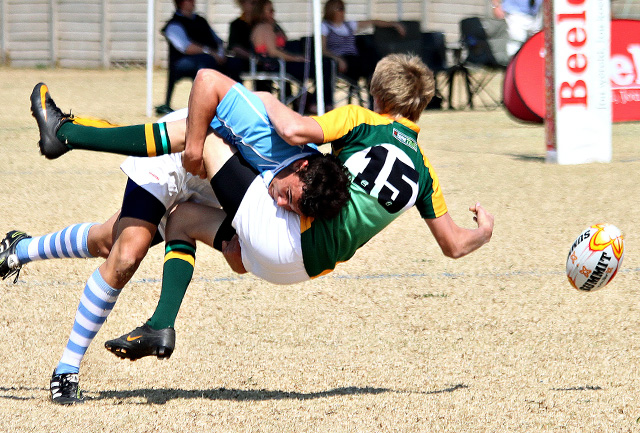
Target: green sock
{"points": [[179, 259], [149, 139]]}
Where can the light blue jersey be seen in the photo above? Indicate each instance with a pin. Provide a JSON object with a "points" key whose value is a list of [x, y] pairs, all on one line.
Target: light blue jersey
{"points": [[241, 120]]}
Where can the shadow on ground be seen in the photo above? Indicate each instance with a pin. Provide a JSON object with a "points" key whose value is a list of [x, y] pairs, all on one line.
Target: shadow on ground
{"points": [[161, 396], [527, 158]]}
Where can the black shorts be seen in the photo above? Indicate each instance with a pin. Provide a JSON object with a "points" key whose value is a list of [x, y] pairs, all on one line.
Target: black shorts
{"points": [[141, 204], [230, 184]]}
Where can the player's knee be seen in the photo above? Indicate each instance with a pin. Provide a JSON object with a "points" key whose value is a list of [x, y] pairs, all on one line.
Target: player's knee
{"points": [[125, 259], [178, 225]]}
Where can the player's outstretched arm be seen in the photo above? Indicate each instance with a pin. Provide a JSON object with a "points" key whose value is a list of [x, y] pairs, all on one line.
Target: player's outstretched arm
{"points": [[455, 241], [296, 130]]}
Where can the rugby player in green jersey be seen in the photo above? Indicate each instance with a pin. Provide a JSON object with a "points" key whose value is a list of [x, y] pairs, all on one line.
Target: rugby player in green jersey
{"points": [[390, 174]]}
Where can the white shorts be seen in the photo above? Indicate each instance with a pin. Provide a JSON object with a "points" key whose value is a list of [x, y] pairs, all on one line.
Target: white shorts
{"points": [[166, 179], [269, 237]]}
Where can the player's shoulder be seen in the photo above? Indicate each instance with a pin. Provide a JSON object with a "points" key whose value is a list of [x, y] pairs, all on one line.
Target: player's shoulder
{"points": [[358, 114]]}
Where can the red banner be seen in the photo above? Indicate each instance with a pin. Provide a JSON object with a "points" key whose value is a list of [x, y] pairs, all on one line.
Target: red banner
{"points": [[524, 84], [625, 70]]}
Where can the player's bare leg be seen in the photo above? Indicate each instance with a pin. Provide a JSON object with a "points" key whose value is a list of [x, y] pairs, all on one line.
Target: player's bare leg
{"points": [[188, 222]]}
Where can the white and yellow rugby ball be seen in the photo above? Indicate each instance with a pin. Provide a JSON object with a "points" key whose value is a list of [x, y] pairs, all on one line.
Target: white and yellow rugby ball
{"points": [[595, 257]]}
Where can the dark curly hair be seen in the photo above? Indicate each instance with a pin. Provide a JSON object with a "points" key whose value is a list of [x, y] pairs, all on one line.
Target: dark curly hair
{"points": [[326, 186]]}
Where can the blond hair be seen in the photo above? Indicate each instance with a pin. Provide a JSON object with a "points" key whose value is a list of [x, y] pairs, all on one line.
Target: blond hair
{"points": [[402, 85]]}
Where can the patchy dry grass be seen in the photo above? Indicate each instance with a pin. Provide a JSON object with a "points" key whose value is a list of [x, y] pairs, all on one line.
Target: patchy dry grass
{"points": [[398, 339]]}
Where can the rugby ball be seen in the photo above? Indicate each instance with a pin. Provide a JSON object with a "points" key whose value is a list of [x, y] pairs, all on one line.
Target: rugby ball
{"points": [[595, 257]]}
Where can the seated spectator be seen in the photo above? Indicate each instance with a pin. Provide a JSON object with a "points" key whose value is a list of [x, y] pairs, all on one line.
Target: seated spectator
{"points": [[240, 31], [193, 45], [270, 40], [339, 41], [240, 41]]}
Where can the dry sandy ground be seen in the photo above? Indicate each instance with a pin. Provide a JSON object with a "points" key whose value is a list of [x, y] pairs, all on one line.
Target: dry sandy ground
{"points": [[398, 339]]}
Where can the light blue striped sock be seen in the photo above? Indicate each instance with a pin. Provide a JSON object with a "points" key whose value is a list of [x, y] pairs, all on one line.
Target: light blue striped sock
{"points": [[96, 303], [70, 242]]}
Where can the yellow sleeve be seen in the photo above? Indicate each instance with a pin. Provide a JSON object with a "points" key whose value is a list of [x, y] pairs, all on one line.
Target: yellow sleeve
{"points": [[339, 122], [438, 204], [437, 198]]}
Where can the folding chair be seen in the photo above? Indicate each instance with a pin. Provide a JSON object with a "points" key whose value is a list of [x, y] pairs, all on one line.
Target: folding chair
{"points": [[479, 67], [345, 85], [433, 51], [274, 70]]}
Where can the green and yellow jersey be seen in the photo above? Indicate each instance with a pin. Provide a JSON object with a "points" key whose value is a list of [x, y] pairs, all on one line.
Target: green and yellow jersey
{"points": [[390, 174]]}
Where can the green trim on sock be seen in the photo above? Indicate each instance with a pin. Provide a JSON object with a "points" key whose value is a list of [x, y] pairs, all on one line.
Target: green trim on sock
{"points": [[182, 246], [124, 140], [164, 138]]}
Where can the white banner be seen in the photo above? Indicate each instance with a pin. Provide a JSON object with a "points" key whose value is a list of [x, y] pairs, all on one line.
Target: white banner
{"points": [[581, 32]]}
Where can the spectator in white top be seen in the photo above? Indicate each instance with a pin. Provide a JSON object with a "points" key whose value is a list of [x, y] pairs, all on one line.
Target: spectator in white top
{"points": [[523, 18], [193, 45]]}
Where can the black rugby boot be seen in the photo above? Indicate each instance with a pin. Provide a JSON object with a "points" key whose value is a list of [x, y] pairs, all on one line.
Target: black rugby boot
{"points": [[143, 341], [64, 389], [50, 118], [9, 264]]}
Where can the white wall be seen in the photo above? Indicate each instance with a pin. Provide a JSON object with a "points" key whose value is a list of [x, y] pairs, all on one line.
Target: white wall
{"points": [[103, 33]]}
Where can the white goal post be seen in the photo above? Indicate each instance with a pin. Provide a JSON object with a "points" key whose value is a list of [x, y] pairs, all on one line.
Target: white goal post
{"points": [[577, 81]]}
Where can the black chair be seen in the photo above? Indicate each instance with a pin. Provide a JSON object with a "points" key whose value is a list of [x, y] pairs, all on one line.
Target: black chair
{"points": [[476, 65], [387, 40], [430, 46], [346, 86], [434, 51], [340, 83], [434, 55]]}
